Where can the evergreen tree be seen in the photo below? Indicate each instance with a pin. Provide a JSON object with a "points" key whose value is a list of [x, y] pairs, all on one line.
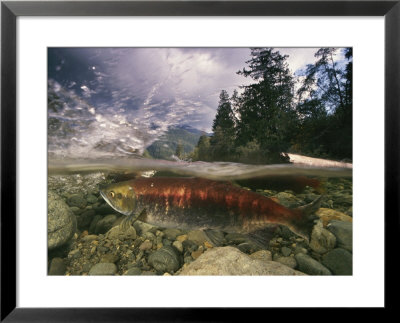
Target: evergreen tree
{"points": [[179, 150], [325, 106], [222, 142], [266, 111], [202, 150]]}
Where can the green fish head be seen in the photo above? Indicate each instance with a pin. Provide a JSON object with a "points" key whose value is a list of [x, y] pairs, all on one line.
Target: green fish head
{"points": [[120, 196]]}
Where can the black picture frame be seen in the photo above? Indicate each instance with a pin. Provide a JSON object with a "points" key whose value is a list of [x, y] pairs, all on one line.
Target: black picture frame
{"points": [[10, 10]]}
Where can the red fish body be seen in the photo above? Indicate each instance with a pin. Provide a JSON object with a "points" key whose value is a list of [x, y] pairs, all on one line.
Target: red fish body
{"points": [[198, 203]]}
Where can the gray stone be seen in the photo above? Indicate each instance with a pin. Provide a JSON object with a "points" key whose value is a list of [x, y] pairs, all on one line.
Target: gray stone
{"points": [[76, 210], [230, 261], [216, 237], [286, 251], [146, 245], [75, 254], [149, 235], [321, 239], [57, 267], [93, 223], [109, 258], [343, 232], [300, 249], [189, 245], [310, 266], [166, 259], [86, 267], [197, 236], [172, 233], [91, 199], [339, 261], [288, 261], [264, 255], [119, 233], [178, 245], [84, 219], [289, 200], [105, 223], [61, 221], [77, 200], [103, 268], [90, 238], [134, 271]]}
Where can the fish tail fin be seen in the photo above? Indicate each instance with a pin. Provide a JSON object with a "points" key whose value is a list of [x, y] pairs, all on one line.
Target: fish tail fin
{"points": [[304, 224]]}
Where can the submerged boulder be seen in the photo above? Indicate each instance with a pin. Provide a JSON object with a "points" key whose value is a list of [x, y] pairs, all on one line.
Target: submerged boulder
{"points": [[61, 221], [231, 261]]}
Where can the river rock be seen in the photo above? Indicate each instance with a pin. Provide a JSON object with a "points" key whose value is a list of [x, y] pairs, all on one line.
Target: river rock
{"points": [[197, 236], [286, 251], [134, 271], [105, 223], [321, 239], [103, 268], [172, 233], [109, 258], [288, 261], [343, 232], [166, 259], [264, 255], [328, 215], [61, 221], [119, 233], [57, 267], [93, 223], [91, 199], [339, 261], [146, 245], [178, 245], [310, 266], [84, 219], [77, 200], [231, 261], [90, 238], [289, 200], [216, 237]]}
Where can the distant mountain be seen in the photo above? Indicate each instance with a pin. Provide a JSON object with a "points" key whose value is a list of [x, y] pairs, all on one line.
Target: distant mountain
{"points": [[165, 147]]}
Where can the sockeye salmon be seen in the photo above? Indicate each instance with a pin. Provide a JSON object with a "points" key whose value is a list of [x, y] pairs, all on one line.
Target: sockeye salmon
{"points": [[198, 203]]}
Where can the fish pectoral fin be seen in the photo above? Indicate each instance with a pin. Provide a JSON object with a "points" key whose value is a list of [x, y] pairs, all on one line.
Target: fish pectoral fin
{"points": [[141, 217], [262, 237]]}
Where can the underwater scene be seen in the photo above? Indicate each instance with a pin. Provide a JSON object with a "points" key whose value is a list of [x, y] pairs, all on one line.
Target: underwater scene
{"points": [[200, 161]]}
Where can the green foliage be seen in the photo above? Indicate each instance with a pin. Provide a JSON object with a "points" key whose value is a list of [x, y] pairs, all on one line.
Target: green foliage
{"points": [[266, 111], [267, 120], [222, 142], [325, 107], [202, 150]]}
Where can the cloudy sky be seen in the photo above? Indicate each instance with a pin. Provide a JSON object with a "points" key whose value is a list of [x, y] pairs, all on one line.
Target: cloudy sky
{"points": [[151, 88]]}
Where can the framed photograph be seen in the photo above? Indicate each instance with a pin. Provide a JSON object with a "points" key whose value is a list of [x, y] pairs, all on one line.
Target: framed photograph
{"points": [[154, 134]]}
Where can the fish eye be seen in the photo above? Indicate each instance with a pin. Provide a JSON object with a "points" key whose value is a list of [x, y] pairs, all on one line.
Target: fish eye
{"points": [[119, 196], [112, 194]]}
